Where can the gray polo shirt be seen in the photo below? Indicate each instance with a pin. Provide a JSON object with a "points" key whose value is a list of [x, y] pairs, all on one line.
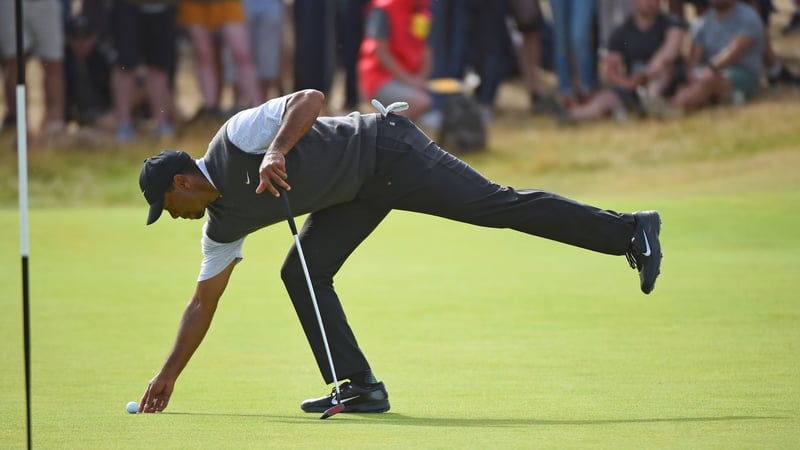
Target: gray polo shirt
{"points": [[714, 35], [326, 167]]}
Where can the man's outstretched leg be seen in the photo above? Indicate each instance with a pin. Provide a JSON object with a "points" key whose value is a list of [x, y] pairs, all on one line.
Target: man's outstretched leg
{"points": [[414, 174]]}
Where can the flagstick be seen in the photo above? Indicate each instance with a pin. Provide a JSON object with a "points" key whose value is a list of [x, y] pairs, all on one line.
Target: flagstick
{"points": [[22, 166]]}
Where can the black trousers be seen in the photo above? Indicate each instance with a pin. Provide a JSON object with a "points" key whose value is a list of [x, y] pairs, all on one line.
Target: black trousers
{"points": [[414, 174]]}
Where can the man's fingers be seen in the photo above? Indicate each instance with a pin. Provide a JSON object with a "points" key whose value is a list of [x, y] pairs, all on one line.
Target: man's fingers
{"points": [[144, 400], [268, 182]]}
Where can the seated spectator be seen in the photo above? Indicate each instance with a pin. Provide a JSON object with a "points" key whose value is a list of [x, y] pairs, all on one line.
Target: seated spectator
{"points": [[43, 31], [776, 72], [395, 61], [725, 57], [644, 53]]}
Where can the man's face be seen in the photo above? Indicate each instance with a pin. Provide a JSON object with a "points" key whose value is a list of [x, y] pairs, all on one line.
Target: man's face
{"points": [[721, 4], [183, 201], [646, 7]]}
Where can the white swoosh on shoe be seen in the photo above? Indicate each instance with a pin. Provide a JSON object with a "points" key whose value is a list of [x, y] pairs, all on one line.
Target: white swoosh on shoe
{"points": [[344, 400], [646, 245]]}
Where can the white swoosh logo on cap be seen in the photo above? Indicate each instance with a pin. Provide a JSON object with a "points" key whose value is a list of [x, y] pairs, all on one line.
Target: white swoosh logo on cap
{"points": [[248, 178]]}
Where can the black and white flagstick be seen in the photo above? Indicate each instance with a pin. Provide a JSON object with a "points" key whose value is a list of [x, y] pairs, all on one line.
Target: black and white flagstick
{"points": [[22, 164]]}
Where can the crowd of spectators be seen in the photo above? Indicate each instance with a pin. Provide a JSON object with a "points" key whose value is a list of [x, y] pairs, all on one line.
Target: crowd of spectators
{"points": [[112, 65]]}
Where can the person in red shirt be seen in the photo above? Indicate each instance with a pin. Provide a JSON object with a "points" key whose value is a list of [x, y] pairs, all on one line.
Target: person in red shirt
{"points": [[394, 61]]}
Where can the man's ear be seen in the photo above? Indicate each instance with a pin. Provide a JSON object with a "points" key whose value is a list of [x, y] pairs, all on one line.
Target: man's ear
{"points": [[181, 181]]}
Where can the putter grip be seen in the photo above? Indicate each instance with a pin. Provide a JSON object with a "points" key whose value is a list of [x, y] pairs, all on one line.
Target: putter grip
{"points": [[289, 215]]}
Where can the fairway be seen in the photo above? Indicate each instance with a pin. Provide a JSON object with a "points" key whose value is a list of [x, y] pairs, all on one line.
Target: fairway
{"points": [[485, 338]]}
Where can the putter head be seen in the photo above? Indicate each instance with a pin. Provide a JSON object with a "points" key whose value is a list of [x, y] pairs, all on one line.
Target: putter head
{"points": [[333, 410]]}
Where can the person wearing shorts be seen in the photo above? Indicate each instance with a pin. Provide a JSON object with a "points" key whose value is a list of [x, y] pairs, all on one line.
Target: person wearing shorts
{"points": [[395, 60], [726, 56], [265, 32], [202, 20], [144, 34], [43, 37]]}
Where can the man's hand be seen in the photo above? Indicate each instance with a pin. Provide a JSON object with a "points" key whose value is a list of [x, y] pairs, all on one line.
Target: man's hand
{"points": [[156, 397], [272, 170]]}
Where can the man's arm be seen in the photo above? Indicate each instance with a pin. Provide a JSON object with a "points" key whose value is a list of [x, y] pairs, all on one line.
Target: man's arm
{"points": [[302, 109], [194, 325], [732, 52], [614, 68], [668, 53]]}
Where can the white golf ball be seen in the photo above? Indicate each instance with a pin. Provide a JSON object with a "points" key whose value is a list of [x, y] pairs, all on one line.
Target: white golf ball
{"points": [[132, 407]]}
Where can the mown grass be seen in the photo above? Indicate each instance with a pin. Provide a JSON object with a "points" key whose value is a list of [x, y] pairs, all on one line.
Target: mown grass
{"points": [[485, 338]]}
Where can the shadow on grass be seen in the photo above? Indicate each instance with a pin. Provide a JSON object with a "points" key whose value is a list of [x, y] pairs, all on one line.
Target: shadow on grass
{"points": [[479, 422]]}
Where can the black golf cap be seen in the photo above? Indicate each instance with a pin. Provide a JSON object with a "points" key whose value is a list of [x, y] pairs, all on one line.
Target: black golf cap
{"points": [[156, 177]]}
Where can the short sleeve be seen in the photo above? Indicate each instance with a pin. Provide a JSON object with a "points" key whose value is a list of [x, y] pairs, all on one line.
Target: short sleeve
{"points": [[217, 256], [253, 130]]}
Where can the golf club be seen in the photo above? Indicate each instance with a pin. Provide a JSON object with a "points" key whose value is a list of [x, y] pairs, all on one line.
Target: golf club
{"points": [[338, 406]]}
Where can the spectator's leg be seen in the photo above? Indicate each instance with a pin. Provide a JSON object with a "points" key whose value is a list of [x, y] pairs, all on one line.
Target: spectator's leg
{"points": [[563, 55], [158, 94], [10, 90], [350, 28], [54, 95], [530, 60], [701, 91], [123, 85], [235, 36], [205, 59], [600, 104], [580, 28]]}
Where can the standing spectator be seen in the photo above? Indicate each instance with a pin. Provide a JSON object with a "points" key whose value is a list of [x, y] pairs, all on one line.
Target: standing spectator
{"points": [[350, 17], [575, 55], [644, 53], [394, 63], [265, 32], [527, 15], [144, 33], [447, 41], [725, 58], [490, 49], [88, 64], [202, 19], [314, 44], [43, 36]]}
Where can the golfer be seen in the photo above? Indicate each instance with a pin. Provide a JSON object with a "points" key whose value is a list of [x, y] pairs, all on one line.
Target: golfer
{"points": [[347, 173]]}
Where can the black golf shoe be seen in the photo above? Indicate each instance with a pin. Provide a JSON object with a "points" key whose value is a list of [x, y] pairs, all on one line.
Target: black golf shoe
{"points": [[356, 399], [644, 254]]}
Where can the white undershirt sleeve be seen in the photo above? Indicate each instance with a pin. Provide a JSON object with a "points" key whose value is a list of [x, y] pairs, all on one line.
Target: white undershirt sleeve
{"points": [[253, 130], [217, 256]]}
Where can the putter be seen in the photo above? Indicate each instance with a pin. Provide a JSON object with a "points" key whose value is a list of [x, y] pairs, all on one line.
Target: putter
{"points": [[338, 406]]}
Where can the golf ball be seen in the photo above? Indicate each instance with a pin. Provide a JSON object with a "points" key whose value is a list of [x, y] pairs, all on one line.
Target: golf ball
{"points": [[132, 407]]}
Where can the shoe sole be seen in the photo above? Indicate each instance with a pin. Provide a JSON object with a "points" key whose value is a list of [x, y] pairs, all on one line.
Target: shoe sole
{"points": [[371, 407]]}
